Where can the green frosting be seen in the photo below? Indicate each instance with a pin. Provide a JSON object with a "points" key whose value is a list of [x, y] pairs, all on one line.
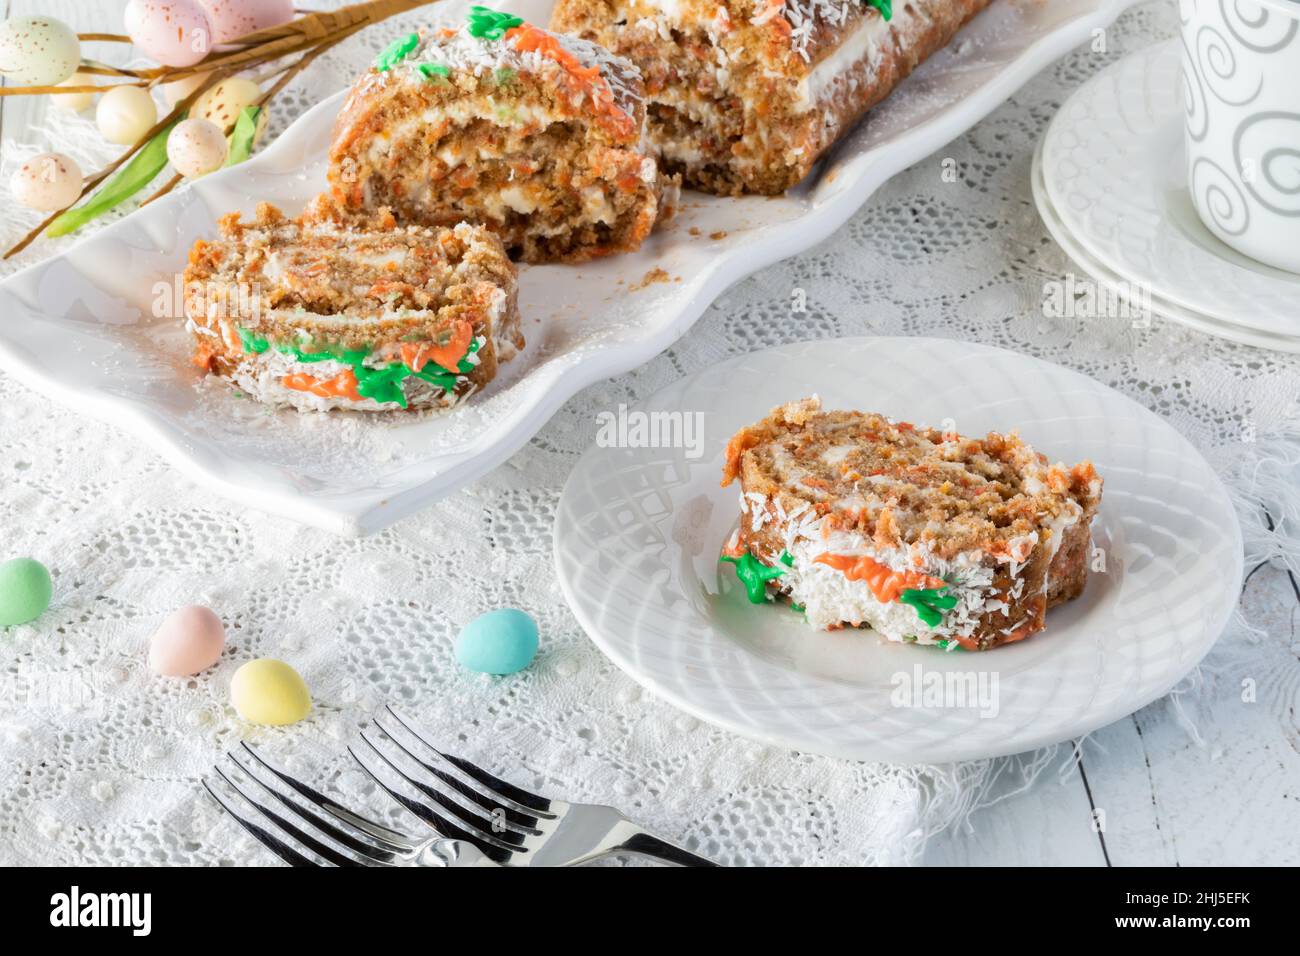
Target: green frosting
{"points": [[380, 384], [929, 603], [485, 24], [886, 8], [431, 70], [754, 574], [396, 52]]}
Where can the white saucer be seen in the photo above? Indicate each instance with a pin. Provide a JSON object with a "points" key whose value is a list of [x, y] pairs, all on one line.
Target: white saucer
{"points": [[1120, 287], [638, 531], [1112, 165]]}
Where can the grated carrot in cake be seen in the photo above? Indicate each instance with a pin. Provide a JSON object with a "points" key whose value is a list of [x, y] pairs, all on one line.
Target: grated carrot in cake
{"points": [[497, 121], [927, 536]]}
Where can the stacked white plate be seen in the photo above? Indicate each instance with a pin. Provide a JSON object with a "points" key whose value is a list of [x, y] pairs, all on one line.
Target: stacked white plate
{"points": [[1110, 183]]}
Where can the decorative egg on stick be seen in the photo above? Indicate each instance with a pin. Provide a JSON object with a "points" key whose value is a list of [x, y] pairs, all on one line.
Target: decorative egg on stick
{"points": [[74, 102], [196, 147], [125, 113], [47, 182], [223, 103], [234, 18], [38, 51], [173, 32]]}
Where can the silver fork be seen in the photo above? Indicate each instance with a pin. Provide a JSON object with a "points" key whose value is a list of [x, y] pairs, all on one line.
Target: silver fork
{"points": [[509, 825], [290, 817]]}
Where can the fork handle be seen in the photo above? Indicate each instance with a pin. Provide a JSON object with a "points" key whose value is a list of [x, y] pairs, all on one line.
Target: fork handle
{"points": [[647, 844]]}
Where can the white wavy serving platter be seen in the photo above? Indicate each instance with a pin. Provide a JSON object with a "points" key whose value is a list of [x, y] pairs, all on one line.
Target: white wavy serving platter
{"points": [[1114, 168], [82, 326], [638, 532]]}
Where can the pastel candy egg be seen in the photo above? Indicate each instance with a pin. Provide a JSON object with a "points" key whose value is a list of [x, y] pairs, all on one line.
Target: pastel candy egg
{"points": [[187, 642], [234, 18], [47, 182], [173, 32], [38, 51], [125, 113], [25, 591], [177, 90], [267, 691], [223, 103], [196, 147], [499, 642], [74, 102]]}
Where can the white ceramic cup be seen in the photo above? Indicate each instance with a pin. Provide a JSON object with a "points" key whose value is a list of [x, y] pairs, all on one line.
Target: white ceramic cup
{"points": [[1241, 80]]}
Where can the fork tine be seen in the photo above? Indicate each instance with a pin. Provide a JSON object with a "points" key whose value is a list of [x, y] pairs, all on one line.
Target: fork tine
{"points": [[524, 800], [263, 836], [373, 852], [444, 824], [323, 850], [516, 821], [391, 839]]}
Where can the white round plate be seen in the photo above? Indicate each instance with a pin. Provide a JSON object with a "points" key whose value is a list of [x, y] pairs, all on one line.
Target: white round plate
{"points": [[1114, 169], [639, 529], [96, 326], [1109, 280]]}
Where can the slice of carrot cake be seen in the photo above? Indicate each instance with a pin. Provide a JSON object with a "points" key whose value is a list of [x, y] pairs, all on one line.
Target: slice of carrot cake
{"points": [[319, 314], [928, 537], [496, 121], [746, 95]]}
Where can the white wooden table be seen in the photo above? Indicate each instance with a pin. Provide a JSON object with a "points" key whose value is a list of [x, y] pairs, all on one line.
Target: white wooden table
{"points": [[1144, 791]]}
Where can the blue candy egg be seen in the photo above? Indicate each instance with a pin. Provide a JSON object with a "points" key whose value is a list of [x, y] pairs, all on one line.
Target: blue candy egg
{"points": [[499, 642]]}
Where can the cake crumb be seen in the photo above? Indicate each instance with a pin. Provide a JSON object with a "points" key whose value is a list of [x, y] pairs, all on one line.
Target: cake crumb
{"points": [[650, 278], [720, 234]]}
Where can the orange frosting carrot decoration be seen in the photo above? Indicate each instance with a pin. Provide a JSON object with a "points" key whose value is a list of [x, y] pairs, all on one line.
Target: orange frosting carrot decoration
{"points": [[342, 385], [418, 354], [203, 356], [527, 38], [884, 583]]}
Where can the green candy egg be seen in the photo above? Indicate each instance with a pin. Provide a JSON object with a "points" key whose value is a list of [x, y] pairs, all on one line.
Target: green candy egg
{"points": [[25, 591], [499, 642]]}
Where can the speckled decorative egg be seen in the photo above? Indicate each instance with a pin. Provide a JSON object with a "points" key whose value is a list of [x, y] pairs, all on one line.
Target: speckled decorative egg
{"points": [[223, 103], [234, 18], [187, 642], [47, 182], [177, 90], [25, 591], [499, 642], [125, 113], [173, 32], [267, 691], [38, 51], [74, 102], [196, 147]]}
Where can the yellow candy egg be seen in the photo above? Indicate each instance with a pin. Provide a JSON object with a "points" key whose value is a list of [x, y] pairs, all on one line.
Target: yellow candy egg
{"points": [[177, 90], [74, 102], [125, 113], [38, 51], [223, 103], [267, 691]]}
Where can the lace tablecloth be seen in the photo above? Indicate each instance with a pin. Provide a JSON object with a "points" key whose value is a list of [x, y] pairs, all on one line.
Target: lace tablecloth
{"points": [[100, 761]]}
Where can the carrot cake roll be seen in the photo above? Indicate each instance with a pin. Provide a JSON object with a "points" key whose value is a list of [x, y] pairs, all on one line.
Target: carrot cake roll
{"points": [[926, 536], [318, 314], [496, 121], [745, 95]]}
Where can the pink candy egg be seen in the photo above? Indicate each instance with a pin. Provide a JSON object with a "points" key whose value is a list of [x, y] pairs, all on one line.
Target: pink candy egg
{"points": [[187, 642], [234, 18], [173, 32]]}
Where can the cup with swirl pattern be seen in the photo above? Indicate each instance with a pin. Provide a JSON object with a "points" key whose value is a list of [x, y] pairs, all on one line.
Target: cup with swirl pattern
{"points": [[1241, 82]]}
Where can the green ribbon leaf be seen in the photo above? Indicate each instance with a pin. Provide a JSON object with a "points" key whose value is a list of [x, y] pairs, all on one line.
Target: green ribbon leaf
{"points": [[129, 180], [241, 138], [886, 8]]}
